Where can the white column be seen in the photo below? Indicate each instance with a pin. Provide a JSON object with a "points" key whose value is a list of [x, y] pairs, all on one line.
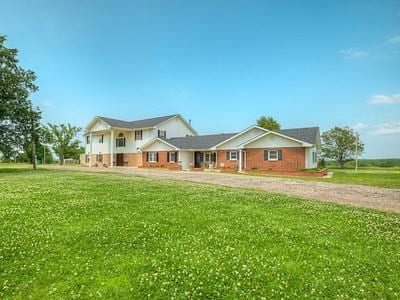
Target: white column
{"points": [[90, 149], [112, 148], [240, 160]]}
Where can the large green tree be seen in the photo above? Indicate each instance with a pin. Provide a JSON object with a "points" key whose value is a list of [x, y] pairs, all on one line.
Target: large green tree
{"points": [[18, 120], [341, 144], [64, 141], [269, 123]]}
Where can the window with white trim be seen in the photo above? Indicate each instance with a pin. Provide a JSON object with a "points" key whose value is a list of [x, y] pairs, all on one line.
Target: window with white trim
{"points": [[87, 139], [138, 135], [152, 157], [101, 138], [233, 155], [120, 140], [273, 155], [172, 156]]}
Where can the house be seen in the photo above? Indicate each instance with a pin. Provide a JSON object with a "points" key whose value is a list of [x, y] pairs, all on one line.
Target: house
{"points": [[171, 142]]}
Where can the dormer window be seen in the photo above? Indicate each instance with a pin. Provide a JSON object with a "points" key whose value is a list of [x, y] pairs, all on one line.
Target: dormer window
{"points": [[120, 140]]}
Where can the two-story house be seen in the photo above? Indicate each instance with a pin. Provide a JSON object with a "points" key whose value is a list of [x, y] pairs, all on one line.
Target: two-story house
{"points": [[107, 138]]}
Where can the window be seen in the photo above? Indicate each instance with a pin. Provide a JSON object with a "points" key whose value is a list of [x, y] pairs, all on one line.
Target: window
{"points": [[273, 155], [172, 156], [87, 139], [162, 134], [101, 138], [233, 155], [120, 140], [314, 157], [99, 158], [138, 135], [87, 158], [152, 157]]}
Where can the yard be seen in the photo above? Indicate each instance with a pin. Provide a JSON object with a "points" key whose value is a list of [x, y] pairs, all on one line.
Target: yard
{"points": [[372, 176], [74, 234]]}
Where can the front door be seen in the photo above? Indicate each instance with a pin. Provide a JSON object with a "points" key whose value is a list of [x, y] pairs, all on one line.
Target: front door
{"points": [[198, 159], [120, 159]]}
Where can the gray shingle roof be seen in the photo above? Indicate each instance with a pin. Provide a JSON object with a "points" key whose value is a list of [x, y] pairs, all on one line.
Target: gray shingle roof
{"points": [[145, 123], [199, 141], [309, 134]]}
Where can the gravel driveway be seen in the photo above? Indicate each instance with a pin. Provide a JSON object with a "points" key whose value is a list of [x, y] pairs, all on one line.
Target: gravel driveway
{"points": [[356, 195]]}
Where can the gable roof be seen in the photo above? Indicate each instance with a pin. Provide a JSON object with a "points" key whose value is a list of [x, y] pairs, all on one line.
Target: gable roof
{"points": [[309, 134], [144, 123], [199, 141]]}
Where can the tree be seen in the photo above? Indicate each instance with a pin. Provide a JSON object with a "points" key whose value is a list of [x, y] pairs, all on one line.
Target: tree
{"points": [[340, 144], [64, 140], [42, 152], [268, 123], [16, 114]]}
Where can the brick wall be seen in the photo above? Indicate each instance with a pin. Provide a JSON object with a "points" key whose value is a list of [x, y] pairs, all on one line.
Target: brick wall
{"points": [[133, 159], [293, 159], [225, 164], [162, 161]]}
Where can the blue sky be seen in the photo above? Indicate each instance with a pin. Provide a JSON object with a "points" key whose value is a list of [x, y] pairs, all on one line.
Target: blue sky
{"points": [[220, 63]]}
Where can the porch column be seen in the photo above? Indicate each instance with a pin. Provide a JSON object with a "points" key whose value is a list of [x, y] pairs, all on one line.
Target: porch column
{"points": [[90, 149], [240, 160], [112, 148]]}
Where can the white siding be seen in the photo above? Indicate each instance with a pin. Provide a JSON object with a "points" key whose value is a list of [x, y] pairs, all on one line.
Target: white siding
{"points": [[98, 147], [272, 140], [186, 158], [99, 125], [309, 158], [232, 144], [175, 128], [159, 146]]}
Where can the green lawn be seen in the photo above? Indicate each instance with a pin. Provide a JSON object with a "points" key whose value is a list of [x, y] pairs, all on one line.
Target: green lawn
{"points": [[372, 176], [380, 177], [71, 234]]}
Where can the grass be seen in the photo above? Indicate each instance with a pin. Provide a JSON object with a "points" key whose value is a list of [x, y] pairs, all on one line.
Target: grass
{"points": [[371, 176], [81, 235]]}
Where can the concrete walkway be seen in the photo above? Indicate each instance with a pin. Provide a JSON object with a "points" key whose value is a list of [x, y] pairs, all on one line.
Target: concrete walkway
{"points": [[356, 195]]}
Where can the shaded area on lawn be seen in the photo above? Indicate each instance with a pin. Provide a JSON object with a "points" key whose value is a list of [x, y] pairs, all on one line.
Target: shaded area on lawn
{"points": [[69, 234]]}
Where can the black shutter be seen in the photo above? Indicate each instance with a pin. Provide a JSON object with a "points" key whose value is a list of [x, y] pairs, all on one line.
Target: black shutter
{"points": [[176, 156], [168, 156], [156, 156], [147, 156], [227, 155], [265, 154], [237, 155], [158, 132], [279, 154]]}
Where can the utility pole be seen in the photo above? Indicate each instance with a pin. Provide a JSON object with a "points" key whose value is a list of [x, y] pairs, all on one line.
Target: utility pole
{"points": [[356, 152]]}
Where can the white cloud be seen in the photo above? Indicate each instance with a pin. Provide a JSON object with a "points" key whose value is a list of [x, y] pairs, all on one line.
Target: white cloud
{"points": [[359, 125], [385, 99], [395, 40], [46, 103], [353, 53], [387, 129]]}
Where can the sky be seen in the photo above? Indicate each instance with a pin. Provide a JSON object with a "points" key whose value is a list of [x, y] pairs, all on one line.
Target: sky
{"points": [[221, 64]]}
